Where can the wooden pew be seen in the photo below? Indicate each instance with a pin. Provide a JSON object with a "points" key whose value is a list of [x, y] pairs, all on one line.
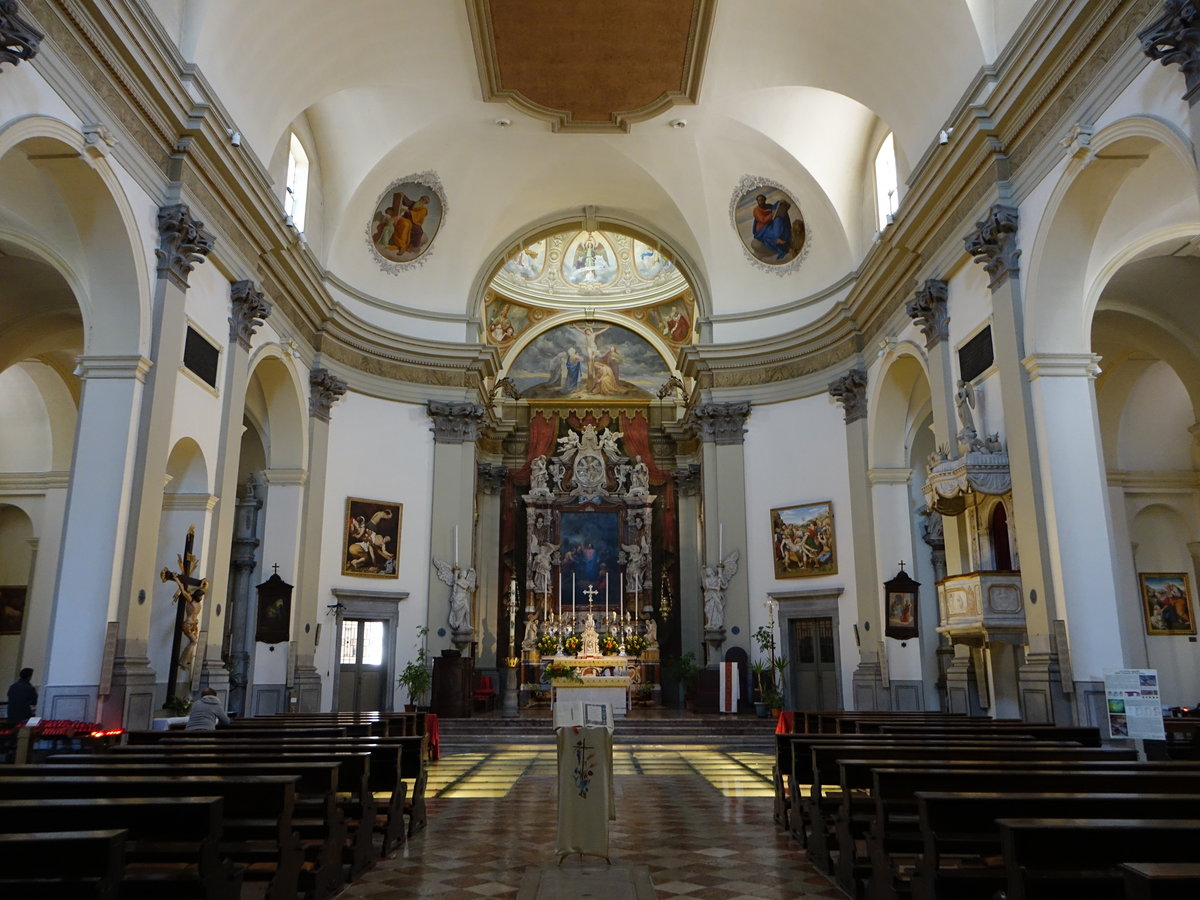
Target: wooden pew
{"points": [[154, 737], [894, 830], [961, 840], [172, 845], [62, 865], [316, 818], [413, 772], [1058, 857], [256, 828], [317, 794], [1161, 881]]}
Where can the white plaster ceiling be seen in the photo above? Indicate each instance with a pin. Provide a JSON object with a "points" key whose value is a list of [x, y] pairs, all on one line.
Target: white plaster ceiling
{"points": [[799, 91]]}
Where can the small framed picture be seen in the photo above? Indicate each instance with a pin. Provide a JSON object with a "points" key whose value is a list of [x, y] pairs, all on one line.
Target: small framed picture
{"points": [[1167, 603], [12, 608], [802, 540], [372, 546]]}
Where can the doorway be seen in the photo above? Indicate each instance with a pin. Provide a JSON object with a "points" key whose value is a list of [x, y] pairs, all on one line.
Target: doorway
{"points": [[363, 678], [814, 663]]}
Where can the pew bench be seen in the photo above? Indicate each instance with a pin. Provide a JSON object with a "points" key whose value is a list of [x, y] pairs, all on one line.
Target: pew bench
{"points": [[1161, 881], [961, 854], [1058, 857], [62, 865]]}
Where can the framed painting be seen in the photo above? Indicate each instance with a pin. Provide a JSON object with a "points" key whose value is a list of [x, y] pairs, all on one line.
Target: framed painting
{"points": [[1167, 603], [372, 546], [802, 540], [768, 220], [12, 608], [406, 219]]}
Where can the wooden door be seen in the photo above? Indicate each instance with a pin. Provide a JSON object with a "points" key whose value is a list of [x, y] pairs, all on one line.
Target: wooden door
{"points": [[362, 684], [813, 663]]}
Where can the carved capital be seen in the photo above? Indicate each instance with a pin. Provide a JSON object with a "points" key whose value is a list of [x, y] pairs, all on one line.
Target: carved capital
{"points": [[250, 309], [1174, 39], [18, 39], [182, 243], [456, 423], [326, 389], [687, 480], [994, 243], [927, 309], [851, 391], [491, 477], [721, 423]]}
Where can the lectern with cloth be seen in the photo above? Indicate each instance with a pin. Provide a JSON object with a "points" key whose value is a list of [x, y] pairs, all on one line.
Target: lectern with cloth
{"points": [[585, 778]]}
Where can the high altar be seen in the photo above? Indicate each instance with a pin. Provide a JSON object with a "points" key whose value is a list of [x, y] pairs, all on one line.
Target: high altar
{"points": [[589, 519]]}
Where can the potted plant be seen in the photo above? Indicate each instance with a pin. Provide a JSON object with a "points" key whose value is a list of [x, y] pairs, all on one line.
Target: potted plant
{"points": [[684, 670], [775, 702], [415, 675], [764, 681]]}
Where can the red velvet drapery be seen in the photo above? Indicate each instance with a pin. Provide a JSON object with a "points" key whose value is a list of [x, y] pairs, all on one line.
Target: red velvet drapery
{"points": [[543, 432]]}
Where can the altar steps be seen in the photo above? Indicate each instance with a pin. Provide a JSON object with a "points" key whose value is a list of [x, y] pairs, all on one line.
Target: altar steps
{"points": [[741, 732]]}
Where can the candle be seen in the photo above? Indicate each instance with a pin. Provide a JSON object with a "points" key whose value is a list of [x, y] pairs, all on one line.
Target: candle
{"points": [[720, 540], [605, 596], [456, 546], [572, 594], [621, 592], [560, 590]]}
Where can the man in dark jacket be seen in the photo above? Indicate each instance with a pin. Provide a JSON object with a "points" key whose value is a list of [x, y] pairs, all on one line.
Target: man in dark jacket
{"points": [[22, 698], [207, 711]]}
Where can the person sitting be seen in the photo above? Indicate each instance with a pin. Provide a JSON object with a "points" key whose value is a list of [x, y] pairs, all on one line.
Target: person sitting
{"points": [[207, 712]]}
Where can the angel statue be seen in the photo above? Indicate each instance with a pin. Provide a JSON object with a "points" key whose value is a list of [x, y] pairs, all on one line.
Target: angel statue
{"points": [[462, 585], [716, 579], [541, 560]]}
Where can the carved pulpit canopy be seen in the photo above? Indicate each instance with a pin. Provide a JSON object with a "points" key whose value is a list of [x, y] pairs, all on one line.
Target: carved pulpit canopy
{"points": [[980, 470]]}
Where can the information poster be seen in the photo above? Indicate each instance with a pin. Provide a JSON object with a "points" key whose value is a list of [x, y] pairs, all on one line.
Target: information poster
{"points": [[1134, 705]]}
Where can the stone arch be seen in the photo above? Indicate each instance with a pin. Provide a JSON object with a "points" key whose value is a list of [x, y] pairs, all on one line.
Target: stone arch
{"points": [[899, 403], [275, 400], [1130, 164], [187, 469], [62, 204]]}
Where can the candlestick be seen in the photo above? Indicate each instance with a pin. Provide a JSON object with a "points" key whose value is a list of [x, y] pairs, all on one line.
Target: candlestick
{"points": [[456, 546], [560, 590], [720, 541], [606, 596], [572, 594]]}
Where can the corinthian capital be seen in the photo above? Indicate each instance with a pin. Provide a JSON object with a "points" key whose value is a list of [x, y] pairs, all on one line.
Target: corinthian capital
{"points": [[326, 389], [250, 308], [1174, 38], [928, 309], [994, 242], [721, 423], [18, 39], [851, 391], [182, 243], [456, 423]]}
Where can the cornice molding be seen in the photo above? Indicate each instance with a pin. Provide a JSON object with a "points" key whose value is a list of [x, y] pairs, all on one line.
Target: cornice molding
{"points": [[33, 483]]}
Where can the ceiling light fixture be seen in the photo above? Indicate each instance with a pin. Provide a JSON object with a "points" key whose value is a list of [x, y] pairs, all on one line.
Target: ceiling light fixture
{"points": [[678, 123], [504, 123]]}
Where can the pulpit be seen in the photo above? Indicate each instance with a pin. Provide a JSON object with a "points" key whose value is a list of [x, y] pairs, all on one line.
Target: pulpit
{"points": [[585, 779]]}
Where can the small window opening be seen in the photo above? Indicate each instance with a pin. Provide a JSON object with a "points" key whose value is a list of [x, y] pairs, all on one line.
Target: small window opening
{"points": [[295, 201]]}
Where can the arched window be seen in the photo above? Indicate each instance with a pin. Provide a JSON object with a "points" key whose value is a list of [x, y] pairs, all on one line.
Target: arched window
{"points": [[887, 187], [295, 201], [1001, 550]]}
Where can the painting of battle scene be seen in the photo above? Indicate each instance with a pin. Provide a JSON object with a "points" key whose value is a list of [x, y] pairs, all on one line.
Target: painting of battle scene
{"points": [[406, 220], [372, 545], [589, 360], [802, 542]]}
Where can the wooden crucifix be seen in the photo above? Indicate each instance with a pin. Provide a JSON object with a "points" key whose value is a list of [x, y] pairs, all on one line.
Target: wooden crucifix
{"points": [[189, 594]]}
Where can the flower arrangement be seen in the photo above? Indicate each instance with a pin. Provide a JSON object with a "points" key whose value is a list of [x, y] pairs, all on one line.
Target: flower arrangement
{"points": [[609, 644], [635, 644], [547, 643], [572, 644], [561, 671]]}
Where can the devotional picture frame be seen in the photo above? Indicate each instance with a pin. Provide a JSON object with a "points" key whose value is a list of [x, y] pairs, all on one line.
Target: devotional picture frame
{"points": [[803, 540], [371, 546], [12, 608], [1166, 599]]}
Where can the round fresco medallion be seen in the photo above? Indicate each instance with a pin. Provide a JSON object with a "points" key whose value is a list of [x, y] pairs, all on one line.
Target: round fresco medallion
{"points": [[407, 218], [769, 222]]}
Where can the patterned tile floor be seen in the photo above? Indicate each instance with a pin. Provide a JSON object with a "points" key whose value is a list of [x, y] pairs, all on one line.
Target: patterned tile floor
{"points": [[698, 817]]}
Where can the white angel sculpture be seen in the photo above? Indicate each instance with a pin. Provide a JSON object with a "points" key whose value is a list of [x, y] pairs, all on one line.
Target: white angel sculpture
{"points": [[716, 579], [462, 585], [541, 560]]}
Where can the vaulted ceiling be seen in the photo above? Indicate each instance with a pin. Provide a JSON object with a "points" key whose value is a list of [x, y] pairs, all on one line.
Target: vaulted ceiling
{"points": [[799, 91]]}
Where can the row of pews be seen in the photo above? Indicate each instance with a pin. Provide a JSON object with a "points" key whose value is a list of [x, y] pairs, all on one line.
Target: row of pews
{"points": [[283, 808], [929, 805]]}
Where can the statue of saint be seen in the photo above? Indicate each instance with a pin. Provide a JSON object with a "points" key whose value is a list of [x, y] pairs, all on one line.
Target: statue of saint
{"points": [[590, 641]]}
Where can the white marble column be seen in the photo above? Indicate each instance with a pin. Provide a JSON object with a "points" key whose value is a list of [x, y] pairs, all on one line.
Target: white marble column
{"points": [[993, 243], [248, 309], [94, 538], [869, 690]]}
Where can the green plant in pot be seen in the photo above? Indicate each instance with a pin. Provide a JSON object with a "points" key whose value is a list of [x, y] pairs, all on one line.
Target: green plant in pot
{"points": [[764, 681], [684, 670], [415, 676], [775, 701]]}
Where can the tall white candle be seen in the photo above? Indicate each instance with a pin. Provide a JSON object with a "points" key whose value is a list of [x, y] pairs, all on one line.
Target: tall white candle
{"points": [[572, 594], [455, 545], [606, 597], [720, 541], [560, 592], [621, 592]]}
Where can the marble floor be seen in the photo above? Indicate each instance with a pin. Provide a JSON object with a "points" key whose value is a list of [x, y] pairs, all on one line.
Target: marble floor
{"points": [[693, 820]]}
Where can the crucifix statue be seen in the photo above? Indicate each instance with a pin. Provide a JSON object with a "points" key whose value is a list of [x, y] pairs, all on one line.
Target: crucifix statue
{"points": [[189, 594]]}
